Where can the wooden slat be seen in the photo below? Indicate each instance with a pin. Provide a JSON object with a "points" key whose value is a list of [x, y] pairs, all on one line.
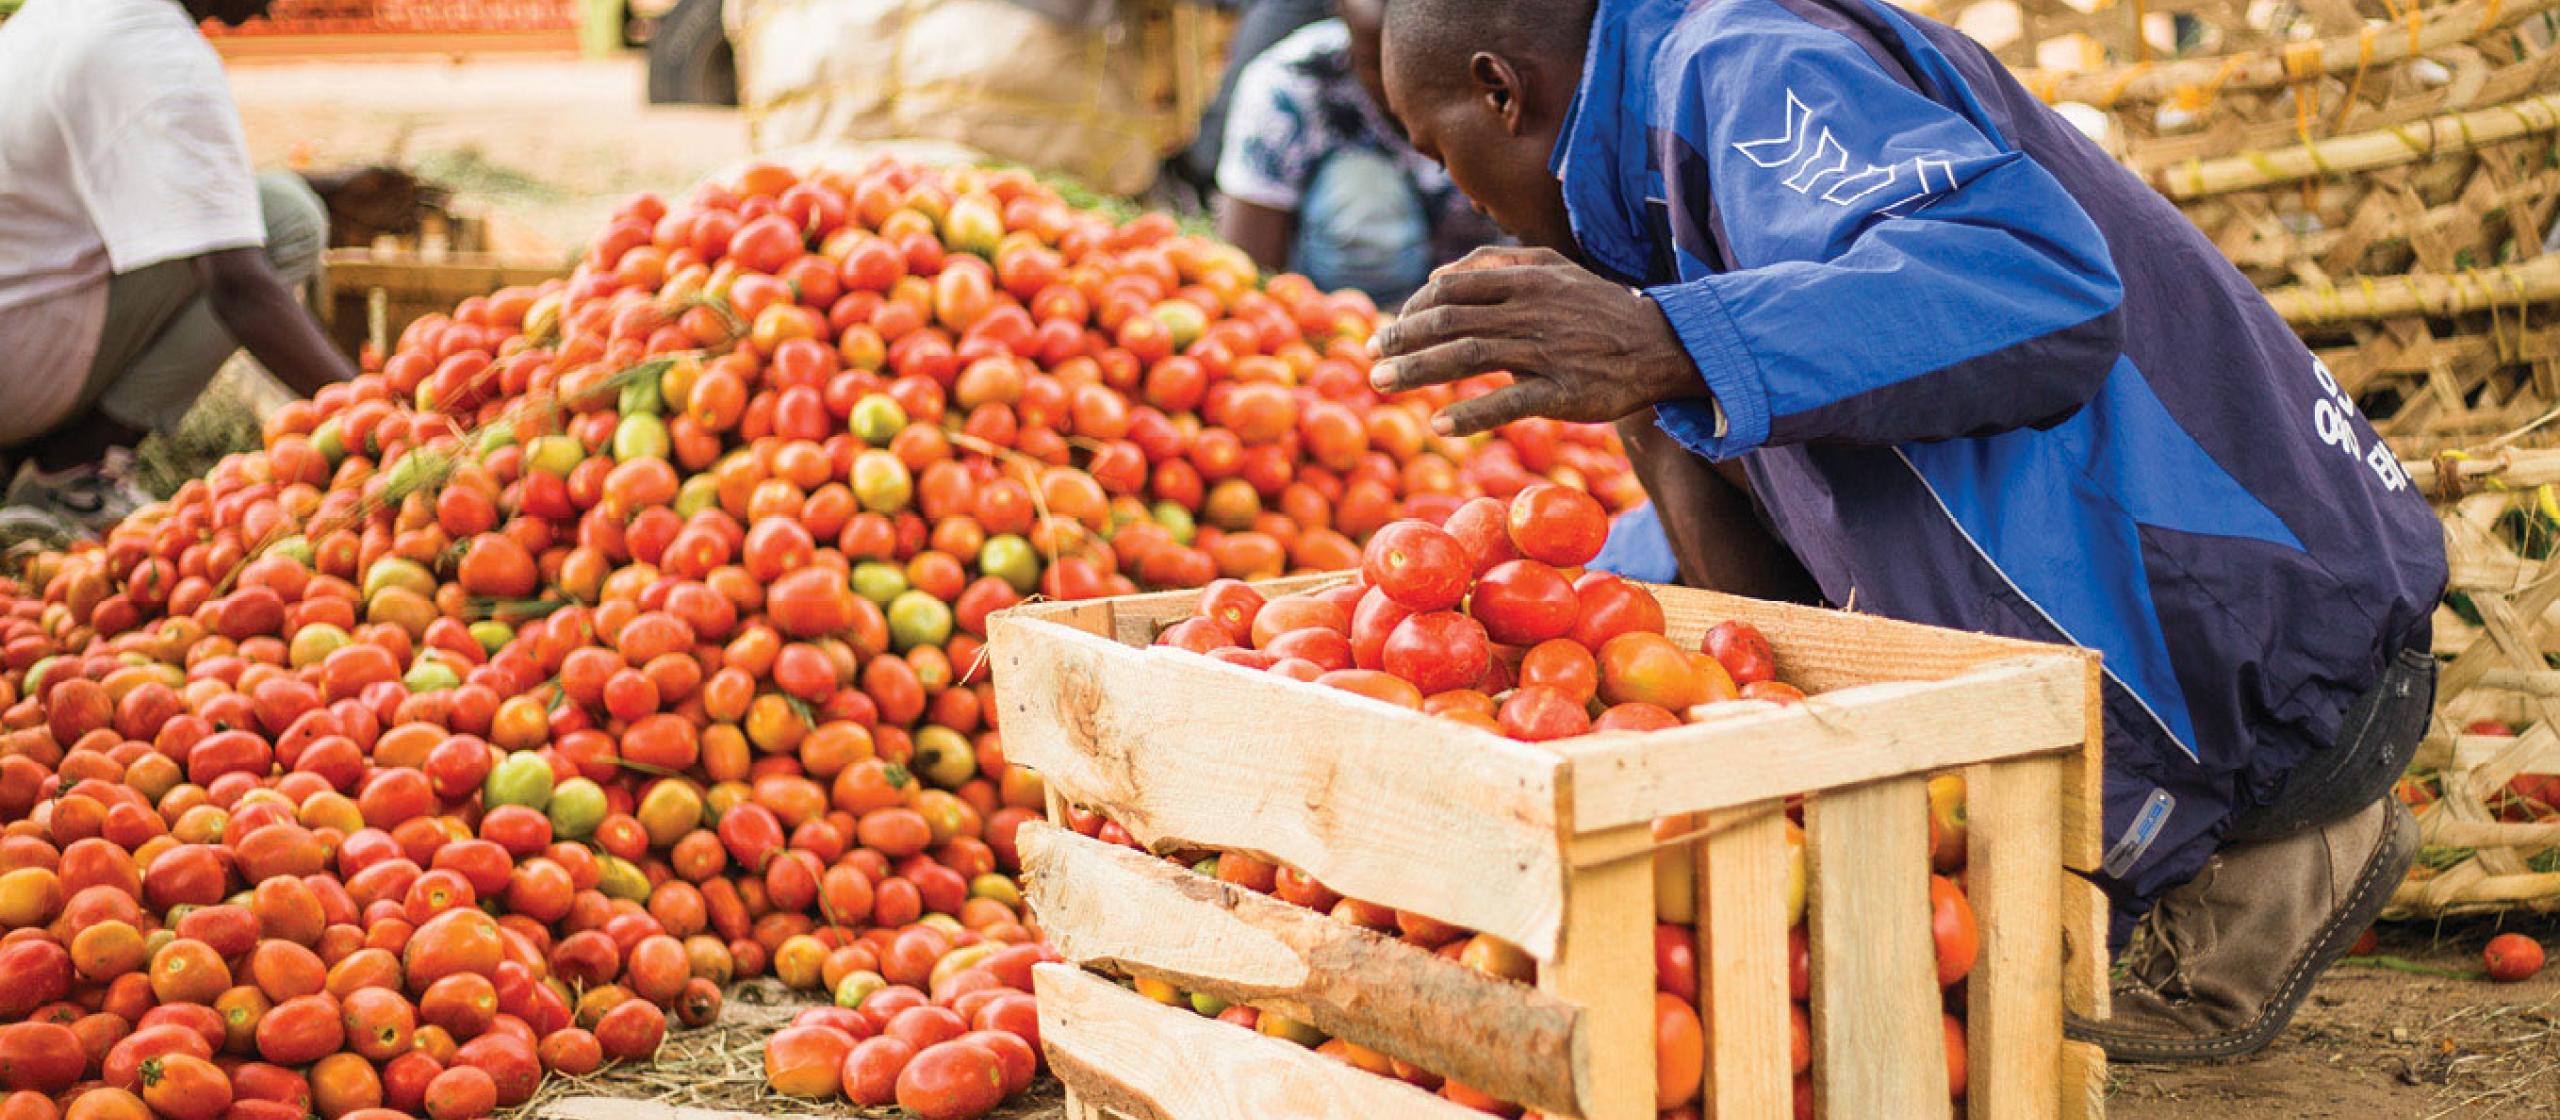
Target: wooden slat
{"points": [[2086, 960], [1605, 966], [1373, 800], [1742, 964], [2013, 875], [448, 278], [1878, 1042], [1140, 1059], [1820, 649], [1859, 734], [2084, 1081], [2084, 783], [1130, 912]]}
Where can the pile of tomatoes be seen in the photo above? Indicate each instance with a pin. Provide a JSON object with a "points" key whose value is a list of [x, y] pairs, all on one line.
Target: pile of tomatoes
{"points": [[1491, 602], [1488, 618], [619, 637]]}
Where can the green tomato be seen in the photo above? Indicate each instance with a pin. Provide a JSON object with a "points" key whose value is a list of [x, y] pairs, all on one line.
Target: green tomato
{"points": [[879, 581], [857, 987], [881, 482], [1001, 888], [699, 492], [554, 454], [1208, 1005], [1176, 520], [496, 436], [38, 674], [315, 642], [296, 548], [492, 634], [641, 396], [640, 436], [944, 758], [918, 619], [619, 879], [396, 571], [523, 779], [330, 441], [1011, 559], [577, 807], [1182, 319], [430, 674], [877, 419]]}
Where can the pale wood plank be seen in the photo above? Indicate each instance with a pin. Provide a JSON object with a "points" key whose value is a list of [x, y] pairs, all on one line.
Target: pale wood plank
{"points": [[2013, 875], [2084, 1082], [1742, 964], [1141, 1059], [2086, 960], [1878, 1042], [1820, 649], [1373, 800], [2084, 811], [1130, 912], [1605, 966], [1854, 735]]}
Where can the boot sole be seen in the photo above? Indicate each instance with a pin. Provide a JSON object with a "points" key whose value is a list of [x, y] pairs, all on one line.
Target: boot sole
{"points": [[2382, 872]]}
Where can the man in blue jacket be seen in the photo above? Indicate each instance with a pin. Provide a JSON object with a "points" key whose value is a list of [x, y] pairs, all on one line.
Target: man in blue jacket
{"points": [[1846, 281]]}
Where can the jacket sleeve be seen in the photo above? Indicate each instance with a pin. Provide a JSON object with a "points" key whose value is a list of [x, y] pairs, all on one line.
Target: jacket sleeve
{"points": [[1899, 273]]}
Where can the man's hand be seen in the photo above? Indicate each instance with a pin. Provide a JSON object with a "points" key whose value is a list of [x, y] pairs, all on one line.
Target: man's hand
{"points": [[1578, 347]]}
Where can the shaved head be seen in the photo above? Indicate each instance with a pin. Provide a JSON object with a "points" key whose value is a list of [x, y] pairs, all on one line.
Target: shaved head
{"points": [[1483, 87]]}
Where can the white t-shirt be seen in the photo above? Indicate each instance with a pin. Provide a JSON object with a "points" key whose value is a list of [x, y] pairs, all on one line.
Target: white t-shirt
{"points": [[119, 149]]}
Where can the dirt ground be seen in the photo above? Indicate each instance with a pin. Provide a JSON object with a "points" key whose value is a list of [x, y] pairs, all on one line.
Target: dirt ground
{"points": [[2377, 1042]]}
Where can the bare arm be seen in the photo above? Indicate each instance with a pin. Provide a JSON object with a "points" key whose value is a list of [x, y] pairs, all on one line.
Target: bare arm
{"points": [[1262, 232], [1715, 531], [257, 307]]}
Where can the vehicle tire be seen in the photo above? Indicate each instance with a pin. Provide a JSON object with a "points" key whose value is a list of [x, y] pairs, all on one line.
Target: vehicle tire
{"points": [[690, 62]]}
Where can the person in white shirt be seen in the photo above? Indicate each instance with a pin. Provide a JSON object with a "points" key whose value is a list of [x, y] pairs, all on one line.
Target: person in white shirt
{"points": [[137, 249]]}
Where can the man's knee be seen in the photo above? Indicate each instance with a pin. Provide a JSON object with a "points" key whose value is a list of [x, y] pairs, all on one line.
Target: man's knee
{"points": [[297, 225]]}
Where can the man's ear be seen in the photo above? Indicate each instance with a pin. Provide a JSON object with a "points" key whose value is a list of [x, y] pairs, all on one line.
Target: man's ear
{"points": [[1499, 85]]}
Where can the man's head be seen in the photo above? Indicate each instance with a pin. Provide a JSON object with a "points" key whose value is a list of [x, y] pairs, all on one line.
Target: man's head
{"points": [[1365, 18], [231, 12], [1483, 87]]}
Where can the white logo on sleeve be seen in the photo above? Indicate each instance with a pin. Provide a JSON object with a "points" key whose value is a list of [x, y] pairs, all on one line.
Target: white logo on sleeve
{"points": [[2334, 419], [1813, 157]]}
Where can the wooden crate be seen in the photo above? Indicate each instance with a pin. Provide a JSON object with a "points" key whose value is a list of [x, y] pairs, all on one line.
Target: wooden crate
{"points": [[372, 294], [1550, 847]]}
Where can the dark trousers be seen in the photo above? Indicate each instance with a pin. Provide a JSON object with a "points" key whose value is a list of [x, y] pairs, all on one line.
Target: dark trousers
{"points": [[2376, 739]]}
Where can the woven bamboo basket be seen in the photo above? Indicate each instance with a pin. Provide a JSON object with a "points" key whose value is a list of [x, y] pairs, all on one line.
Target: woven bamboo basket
{"points": [[2486, 776], [2427, 142]]}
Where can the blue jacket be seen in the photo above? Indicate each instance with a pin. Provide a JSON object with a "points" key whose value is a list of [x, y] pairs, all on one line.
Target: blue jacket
{"points": [[1983, 377]]}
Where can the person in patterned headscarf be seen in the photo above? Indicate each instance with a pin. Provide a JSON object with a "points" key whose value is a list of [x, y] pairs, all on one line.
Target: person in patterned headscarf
{"points": [[1316, 178]]}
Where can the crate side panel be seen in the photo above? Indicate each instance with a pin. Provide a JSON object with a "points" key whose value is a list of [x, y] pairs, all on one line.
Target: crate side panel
{"points": [[2002, 710], [1374, 801], [1130, 912]]}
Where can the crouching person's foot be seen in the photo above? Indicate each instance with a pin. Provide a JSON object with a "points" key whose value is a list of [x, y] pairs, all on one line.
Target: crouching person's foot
{"points": [[84, 500], [2218, 968]]}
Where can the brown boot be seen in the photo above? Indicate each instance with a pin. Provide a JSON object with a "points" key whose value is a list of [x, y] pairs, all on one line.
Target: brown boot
{"points": [[2217, 969]]}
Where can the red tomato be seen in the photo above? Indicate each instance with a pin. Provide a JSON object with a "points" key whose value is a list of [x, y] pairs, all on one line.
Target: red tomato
{"points": [[2510, 957], [1610, 607], [1743, 651], [1418, 565], [952, 1081], [1438, 651], [1524, 602], [1959, 941], [1560, 525]]}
